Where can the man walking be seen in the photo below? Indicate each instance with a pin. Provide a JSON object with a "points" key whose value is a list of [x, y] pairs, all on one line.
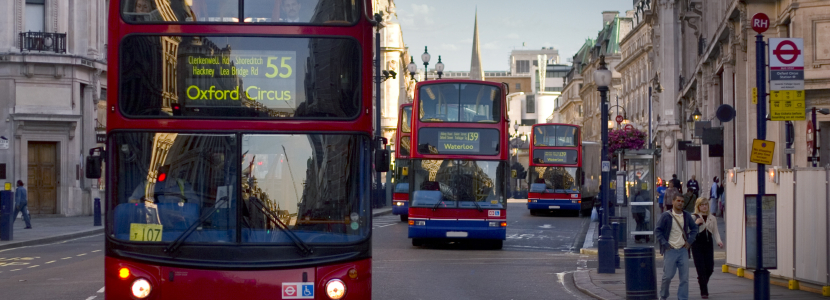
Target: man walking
{"points": [[693, 186], [674, 182], [21, 204], [675, 232]]}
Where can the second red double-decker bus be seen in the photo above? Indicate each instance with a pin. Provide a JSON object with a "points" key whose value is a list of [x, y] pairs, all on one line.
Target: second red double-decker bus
{"points": [[563, 170], [400, 196], [239, 138], [458, 174]]}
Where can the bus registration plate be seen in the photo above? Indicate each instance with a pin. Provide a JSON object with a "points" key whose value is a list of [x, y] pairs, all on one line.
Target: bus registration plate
{"points": [[553, 207], [456, 234]]}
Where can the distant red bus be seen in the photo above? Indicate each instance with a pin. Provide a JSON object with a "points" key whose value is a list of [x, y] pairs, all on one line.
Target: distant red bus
{"points": [[458, 175], [563, 170], [239, 137], [400, 196]]}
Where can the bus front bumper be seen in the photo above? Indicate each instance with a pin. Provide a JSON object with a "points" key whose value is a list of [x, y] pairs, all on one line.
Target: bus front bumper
{"points": [[454, 229], [554, 204]]}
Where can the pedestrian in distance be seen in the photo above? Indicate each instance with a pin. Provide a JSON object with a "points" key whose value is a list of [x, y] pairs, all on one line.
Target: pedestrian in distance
{"points": [[714, 195], [689, 201], [676, 231], [661, 190], [703, 251], [21, 204], [721, 200], [676, 183], [693, 186]]}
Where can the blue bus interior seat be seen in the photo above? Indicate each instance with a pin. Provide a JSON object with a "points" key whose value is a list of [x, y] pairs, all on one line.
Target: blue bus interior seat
{"points": [[177, 216], [128, 213], [538, 188], [426, 197], [402, 187]]}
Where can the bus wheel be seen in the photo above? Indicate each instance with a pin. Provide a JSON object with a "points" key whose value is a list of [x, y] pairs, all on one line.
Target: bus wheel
{"points": [[404, 218], [497, 245], [417, 242], [534, 212]]}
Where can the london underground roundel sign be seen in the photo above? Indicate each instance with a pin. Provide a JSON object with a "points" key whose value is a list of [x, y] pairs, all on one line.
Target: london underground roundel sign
{"points": [[760, 22]]}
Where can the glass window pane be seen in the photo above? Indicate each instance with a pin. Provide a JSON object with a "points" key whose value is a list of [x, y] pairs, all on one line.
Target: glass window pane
{"points": [[472, 141], [328, 12], [555, 136], [166, 182], [406, 120], [35, 17], [247, 77], [555, 179], [458, 184], [312, 185], [469, 103], [333, 12], [404, 147]]}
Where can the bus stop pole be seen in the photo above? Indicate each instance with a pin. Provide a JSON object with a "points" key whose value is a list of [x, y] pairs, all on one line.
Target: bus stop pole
{"points": [[761, 280]]}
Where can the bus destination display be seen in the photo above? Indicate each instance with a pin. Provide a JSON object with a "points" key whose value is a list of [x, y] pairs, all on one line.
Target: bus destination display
{"points": [[458, 141], [555, 156], [266, 77]]}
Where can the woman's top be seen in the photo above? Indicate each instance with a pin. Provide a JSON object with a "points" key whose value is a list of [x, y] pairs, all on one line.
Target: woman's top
{"points": [[710, 224]]}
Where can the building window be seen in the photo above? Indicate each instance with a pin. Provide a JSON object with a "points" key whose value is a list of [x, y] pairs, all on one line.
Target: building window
{"points": [[580, 110], [553, 89], [518, 86], [522, 66], [528, 122], [35, 15], [556, 74], [530, 104]]}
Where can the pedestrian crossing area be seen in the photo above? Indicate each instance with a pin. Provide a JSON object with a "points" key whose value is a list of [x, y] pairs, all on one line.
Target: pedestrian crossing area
{"points": [[386, 221]]}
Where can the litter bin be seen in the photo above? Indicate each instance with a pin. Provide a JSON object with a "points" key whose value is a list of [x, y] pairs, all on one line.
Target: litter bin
{"points": [[622, 234], [640, 273], [6, 218]]}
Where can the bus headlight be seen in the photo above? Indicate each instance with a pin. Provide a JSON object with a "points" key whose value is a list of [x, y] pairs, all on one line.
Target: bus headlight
{"points": [[335, 289], [141, 288]]}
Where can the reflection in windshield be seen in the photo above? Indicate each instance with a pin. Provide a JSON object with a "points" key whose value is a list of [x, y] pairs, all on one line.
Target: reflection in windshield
{"points": [[556, 179], [459, 103], [247, 77], [332, 12], [166, 182], [451, 182]]}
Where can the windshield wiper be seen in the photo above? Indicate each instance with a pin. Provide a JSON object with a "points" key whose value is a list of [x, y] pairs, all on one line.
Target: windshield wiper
{"points": [[437, 205], [478, 206], [180, 239], [304, 248]]}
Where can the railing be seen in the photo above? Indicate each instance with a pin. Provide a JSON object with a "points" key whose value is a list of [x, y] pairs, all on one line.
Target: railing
{"points": [[43, 41]]}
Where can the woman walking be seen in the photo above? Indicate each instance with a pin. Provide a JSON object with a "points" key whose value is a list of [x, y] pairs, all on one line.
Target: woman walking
{"points": [[703, 251]]}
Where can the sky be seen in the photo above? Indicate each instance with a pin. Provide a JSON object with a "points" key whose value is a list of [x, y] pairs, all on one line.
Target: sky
{"points": [[446, 27]]}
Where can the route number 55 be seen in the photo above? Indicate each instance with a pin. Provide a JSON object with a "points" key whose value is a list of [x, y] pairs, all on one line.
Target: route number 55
{"points": [[277, 70]]}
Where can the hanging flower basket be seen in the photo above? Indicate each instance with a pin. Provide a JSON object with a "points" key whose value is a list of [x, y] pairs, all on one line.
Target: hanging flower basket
{"points": [[627, 139]]}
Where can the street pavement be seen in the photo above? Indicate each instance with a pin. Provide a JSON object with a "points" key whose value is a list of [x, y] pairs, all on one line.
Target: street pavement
{"points": [[721, 285], [49, 230]]}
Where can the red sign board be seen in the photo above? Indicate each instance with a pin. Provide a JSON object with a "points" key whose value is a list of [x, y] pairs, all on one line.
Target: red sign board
{"points": [[787, 52], [619, 119], [629, 127], [760, 22]]}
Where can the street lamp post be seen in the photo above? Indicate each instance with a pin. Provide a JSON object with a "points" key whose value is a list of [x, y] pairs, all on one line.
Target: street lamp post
{"points": [[425, 57], [602, 78], [439, 67], [412, 68], [516, 154]]}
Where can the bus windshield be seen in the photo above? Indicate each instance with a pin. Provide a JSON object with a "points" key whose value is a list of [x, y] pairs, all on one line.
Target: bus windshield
{"points": [[212, 77], [555, 136], [452, 183], [236, 185], [453, 102], [327, 12], [554, 180]]}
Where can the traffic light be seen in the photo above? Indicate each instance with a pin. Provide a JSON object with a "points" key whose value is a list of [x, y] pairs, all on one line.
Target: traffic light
{"points": [[177, 109]]}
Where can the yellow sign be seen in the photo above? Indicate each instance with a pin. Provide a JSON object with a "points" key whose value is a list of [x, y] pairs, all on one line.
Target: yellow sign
{"points": [[787, 110], [8, 186], [754, 95], [787, 95], [404, 171], [612, 184], [513, 173], [762, 152], [145, 232]]}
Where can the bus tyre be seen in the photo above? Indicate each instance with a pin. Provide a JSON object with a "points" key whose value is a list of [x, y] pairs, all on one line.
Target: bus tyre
{"points": [[497, 245], [404, 218], [417, 242], [534, 212]]}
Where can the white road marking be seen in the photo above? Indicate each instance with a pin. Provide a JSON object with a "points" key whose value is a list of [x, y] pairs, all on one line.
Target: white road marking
{"points": [[82, 254], [101, 290], [49, 262], [35, 266], [66, 257], [61, 242], [96, 250], [384, 225], [15, 270], [589, 237], [91, 297]]}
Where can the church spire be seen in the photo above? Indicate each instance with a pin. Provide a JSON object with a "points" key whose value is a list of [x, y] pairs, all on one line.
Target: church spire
{"points": [[476, 71]]}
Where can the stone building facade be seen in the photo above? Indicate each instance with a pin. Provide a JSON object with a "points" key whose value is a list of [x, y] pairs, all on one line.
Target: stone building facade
{"points": [[52, 82]]}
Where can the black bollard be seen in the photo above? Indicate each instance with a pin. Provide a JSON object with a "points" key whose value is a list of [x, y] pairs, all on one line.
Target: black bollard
{"points": [[6, 217], [97, 212], [616, 228], [640, 273]]}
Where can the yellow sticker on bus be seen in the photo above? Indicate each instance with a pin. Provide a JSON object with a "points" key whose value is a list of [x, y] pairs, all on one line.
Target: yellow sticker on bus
{"points": [[145, 232]]}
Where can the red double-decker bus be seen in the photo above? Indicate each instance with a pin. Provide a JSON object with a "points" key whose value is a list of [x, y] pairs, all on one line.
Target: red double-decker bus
{"points": [[400, 195], [239, 137], [563, 170], [458, 175]]}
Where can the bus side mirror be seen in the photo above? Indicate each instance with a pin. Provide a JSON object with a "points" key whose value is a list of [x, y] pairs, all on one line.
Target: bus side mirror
{"points": [[382, 160], [405, 171], [94, 162]]}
